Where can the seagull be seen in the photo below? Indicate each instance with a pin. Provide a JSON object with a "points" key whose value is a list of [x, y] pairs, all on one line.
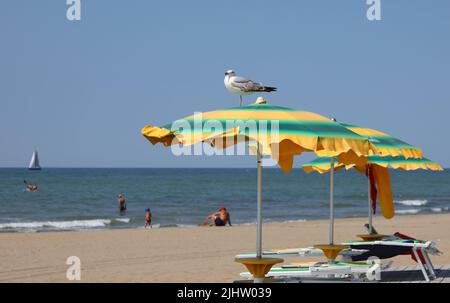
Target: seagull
{"points": [[243, 86]]}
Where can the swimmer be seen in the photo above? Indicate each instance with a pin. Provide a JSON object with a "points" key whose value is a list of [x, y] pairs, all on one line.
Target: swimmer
{"points": [[30, 186]]}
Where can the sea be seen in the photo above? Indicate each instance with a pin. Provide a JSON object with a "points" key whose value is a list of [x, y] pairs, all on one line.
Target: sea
{"points": [[70, 199]]}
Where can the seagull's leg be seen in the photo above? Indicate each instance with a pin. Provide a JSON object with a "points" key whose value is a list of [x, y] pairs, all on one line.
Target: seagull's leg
{"points": [[240, 96]]}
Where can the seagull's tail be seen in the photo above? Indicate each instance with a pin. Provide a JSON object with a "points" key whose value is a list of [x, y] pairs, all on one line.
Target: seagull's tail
{"points": [[269, 89]]}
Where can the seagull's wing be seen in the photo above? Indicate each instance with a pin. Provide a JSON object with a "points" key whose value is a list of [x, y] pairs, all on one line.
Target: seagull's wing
{"points": [[245, 84], [239, 79]]}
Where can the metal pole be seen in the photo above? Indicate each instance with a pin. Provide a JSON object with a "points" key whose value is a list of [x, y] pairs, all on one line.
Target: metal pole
{"points": [[369, 200], [331, 233], [259, 206]]}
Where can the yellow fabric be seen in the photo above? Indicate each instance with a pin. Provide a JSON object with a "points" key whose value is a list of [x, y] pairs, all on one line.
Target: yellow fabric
{"points": [[415, 166], [367, 132], [259, 115], [385, 196], [406, 152], [156, 134], [322, 168], [351, 160]]}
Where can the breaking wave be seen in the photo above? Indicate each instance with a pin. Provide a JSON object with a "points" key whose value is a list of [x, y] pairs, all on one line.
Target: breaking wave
{"points": [[62, 225], [412, 202]]}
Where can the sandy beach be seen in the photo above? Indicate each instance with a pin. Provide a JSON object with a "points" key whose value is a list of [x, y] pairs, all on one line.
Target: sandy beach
{"points": [[196, 254]]}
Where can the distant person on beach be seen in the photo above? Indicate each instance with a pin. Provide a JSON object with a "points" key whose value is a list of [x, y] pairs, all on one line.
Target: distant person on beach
{"points": [[220, 218], [148, 218], [30, 186], [122, 203]]}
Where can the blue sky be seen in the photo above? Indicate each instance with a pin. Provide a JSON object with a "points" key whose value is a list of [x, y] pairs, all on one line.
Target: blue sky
{"points": [[82, 91]]}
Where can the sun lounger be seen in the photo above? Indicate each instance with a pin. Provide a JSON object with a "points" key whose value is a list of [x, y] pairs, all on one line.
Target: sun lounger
{"points": [[355, 271], [387, 248]]}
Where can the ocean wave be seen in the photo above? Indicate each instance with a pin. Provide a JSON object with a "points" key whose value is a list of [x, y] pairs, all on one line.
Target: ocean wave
{"points": [[122, 220], [185, 225], [64, 225], [268, 221], [153, 226], [294, 221], [439, 209], [412, 202], [407, 211]]}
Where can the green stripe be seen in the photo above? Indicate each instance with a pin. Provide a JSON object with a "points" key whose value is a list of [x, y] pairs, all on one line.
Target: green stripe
{"points": [[373, 159], [306, 268], [308, 128], [389, 142], [400, 159]]}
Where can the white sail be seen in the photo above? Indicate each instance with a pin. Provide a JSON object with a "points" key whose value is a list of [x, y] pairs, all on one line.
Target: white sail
{"points": [[34, 163]]}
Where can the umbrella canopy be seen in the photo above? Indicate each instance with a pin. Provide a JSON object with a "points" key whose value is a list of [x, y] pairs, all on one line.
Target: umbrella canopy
{"points": [[322, 164], [385, 144], [278, 131]]}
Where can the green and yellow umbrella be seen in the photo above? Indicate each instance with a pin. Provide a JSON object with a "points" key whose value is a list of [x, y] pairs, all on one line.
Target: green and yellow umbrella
{"points": [[385, 144], [278, 131], [322, 164], [378, 167], [281, 132]]}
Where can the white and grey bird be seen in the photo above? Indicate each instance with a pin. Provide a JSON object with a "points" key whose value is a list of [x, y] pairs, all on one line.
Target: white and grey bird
{"points": [[244, 86]]}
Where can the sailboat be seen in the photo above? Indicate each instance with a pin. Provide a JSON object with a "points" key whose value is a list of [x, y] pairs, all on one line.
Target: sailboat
{"points": [[34, 163]]}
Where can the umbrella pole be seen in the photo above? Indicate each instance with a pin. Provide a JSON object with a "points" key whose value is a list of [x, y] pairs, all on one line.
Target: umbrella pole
{"points": [[259, 206], [331, 227], [369, 199], [331, 251]]}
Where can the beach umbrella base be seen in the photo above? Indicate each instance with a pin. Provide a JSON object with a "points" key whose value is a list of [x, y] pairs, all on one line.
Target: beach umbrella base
{"points": [[259, 267], [331, 251], [372, 237]]}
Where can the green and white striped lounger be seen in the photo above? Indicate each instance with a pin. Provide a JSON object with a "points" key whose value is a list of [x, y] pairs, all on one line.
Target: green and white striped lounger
{"points": [[320, 269]]}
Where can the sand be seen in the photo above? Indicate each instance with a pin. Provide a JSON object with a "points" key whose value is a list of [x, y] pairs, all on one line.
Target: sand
{"points": [[191, 254]]}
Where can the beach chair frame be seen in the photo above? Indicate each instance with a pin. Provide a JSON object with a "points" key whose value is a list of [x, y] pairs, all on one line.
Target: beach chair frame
{"points": [[426, 267]]}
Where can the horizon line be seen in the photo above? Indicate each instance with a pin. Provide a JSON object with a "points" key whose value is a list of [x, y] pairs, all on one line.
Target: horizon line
{"points": [[149, 167]]}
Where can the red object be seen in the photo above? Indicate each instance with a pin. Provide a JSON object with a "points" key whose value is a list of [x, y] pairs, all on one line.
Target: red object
{"points": [[403, 236], [222, 208], [373, 188]]}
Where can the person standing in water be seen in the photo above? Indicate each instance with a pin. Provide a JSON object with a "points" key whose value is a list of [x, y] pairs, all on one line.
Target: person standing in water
{"points": [[122, 203], [148, 218]]}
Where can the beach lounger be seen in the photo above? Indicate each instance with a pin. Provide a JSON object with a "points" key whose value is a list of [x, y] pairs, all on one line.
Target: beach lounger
{"points": [[386, 248], [351, 271]]}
